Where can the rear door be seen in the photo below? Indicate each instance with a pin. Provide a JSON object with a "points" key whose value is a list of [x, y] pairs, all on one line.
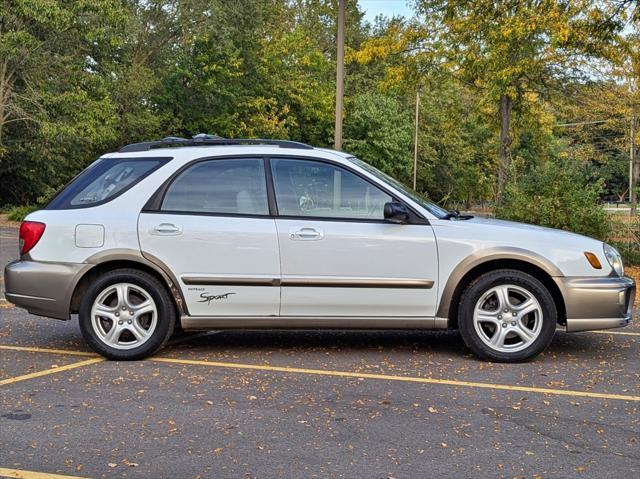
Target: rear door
{"points": [[213, 231], [339, 257]]}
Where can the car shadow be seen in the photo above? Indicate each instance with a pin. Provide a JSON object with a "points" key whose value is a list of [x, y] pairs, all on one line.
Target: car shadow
{"points": [[576, 346]]}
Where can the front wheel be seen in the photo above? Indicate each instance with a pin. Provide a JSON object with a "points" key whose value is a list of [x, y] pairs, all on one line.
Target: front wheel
{"points": [[507, 316], [126, 315]]}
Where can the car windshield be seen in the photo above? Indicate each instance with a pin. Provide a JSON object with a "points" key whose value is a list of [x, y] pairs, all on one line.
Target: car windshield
{"points": [[428, 205]]}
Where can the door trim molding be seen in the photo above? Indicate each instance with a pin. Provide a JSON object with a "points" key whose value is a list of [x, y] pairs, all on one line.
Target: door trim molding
{"points": [[342, 282], [229, 281], [310, 282]]}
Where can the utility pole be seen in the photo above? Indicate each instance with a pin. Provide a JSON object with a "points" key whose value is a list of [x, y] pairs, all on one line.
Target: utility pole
{"points": [[633, 164], [634, 161], [415, 143], [339, 76]]}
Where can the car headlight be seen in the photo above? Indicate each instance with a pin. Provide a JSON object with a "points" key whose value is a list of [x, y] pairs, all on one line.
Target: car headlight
{"points": [[614, 259]]}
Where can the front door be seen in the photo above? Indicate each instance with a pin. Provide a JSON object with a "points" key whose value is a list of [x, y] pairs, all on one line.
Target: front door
{"points": [[214, 232], [339, 257]]}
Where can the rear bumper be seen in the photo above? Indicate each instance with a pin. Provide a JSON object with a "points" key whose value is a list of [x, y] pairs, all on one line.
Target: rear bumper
{"points": [[42, 288], [597, 303]]}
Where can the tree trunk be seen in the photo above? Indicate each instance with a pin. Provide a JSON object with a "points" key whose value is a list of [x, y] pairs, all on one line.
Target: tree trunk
{"points": [[3, 97], [506, 105]]}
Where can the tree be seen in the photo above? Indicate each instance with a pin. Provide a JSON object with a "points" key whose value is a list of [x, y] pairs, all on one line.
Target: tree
{"points": [[508, 49], [379, 130], [52, 102]]}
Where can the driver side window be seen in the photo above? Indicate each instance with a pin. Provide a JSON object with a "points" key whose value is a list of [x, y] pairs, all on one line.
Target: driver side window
{"points": [[316, 189]]}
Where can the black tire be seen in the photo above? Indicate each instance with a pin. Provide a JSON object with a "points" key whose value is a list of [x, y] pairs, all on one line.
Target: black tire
{"points": [[166, 315], [477, 288]]}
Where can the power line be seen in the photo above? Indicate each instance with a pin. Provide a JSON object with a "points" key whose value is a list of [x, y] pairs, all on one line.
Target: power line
{"points": [[579, 123]]}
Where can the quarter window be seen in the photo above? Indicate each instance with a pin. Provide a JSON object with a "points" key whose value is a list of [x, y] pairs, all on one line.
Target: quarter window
{"points": [[233, 186], [104, 180], [317, 189]]}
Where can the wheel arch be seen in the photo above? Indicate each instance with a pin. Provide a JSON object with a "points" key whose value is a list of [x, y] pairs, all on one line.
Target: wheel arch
{"points": [[112, 260], [479, 263]]}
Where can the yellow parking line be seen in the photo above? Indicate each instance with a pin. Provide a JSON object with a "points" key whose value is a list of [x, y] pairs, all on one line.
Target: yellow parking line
{"points": [[620, 333], [323, 372], [410, 379], [20, 474], [46, 372], [51, 351]]}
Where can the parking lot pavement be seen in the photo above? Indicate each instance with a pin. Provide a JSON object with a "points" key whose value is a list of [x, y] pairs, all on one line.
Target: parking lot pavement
{"points": [[315, 404]]}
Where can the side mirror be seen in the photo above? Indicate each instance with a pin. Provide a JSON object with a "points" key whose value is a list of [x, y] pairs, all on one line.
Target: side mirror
{"points": [[396, 212]]}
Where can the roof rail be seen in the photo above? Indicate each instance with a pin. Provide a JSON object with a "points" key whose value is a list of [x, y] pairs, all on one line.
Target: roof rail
{"points": [[209, 140]]}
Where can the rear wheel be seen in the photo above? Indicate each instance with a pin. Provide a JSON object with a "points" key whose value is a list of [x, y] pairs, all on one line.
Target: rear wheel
{"points": [[126, 314], [507, 316]]}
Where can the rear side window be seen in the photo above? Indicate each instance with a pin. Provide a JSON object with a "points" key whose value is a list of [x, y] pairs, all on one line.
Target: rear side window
{"points": [[234, 186], [104, 180]]}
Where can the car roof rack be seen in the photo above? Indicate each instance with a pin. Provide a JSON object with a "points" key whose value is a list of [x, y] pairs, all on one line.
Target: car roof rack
{"points": [[209, 140]]}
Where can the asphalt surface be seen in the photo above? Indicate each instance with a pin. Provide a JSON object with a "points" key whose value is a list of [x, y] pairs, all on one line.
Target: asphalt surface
{"points": [[314, 404]]}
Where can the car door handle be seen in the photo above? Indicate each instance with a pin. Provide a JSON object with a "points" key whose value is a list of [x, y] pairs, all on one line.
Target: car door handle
{"points": [[306, 233], [166, 229]]}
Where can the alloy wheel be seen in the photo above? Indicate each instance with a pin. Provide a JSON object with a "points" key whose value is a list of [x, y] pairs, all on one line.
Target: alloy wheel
{"points": [[508, 318], [124, 316]]}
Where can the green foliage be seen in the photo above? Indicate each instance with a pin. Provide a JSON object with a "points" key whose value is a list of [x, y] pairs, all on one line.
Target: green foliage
{"points": [[18, 213], [456, 149], [625, 236], [55, 109], [380, 131], [78, 79], [514, 47], [556, 194]]}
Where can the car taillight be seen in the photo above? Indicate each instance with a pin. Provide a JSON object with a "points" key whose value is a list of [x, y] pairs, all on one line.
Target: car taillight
{"points": [[30, 234]]}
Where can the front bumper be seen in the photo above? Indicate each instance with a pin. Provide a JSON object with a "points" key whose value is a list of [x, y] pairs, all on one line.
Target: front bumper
{"points": [[42, 288], [597, 303]]}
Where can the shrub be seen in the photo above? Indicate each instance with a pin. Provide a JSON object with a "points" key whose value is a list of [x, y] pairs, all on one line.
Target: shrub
{"points": [[625, 236], [18, 213], [556, 194]]}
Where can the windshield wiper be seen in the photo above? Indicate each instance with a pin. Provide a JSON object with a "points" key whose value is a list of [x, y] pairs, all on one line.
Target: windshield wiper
{"points": [[455, 214], [451, 214]]}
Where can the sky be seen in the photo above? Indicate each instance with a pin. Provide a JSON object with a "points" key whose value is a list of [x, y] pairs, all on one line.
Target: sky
{"points": [[388, 8]]}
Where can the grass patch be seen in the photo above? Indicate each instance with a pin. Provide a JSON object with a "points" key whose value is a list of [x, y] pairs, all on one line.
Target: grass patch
{"points": [[17, 213]]}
